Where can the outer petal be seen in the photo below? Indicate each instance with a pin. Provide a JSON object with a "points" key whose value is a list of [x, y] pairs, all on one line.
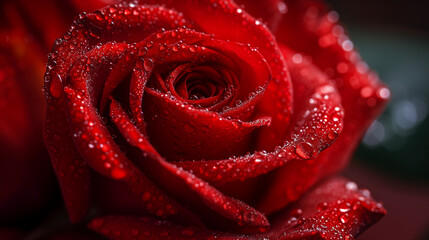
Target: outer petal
{"points": [[84, 34], [316, 126], [271, 11], [335, 209], [310, 28], [144, 228], [192, 191]]}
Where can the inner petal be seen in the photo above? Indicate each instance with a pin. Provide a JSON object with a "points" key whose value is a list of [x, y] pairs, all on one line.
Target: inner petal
{"points": [[204, 86]]}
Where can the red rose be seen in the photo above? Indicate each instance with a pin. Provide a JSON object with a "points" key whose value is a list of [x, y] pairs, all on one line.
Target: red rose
{"points": [[192, 112]]}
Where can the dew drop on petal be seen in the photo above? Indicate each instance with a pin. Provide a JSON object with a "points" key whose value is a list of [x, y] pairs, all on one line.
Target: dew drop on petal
{"points": [[344, 218], [322, 206], [304, 150], [352, 186], [349, 237], [384, 93], [148, 64], [56, 86]]}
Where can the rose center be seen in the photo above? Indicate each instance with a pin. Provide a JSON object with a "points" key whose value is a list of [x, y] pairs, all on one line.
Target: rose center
{"points": [[203, 85]]}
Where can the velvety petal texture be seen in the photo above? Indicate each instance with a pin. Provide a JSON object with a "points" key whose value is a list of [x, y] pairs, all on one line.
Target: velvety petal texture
{"points": [[188, 120]]}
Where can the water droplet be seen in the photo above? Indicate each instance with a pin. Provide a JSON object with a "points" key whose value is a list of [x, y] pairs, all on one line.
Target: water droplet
{"points": [[296, 212], [383, 93], [336, 117], [332, 135], [282, 7], [322, 206], [148, 64], [304, 150], [56, 87], [347, 45], [344, 218], [352, 186], [112, 10], [297, 58], [349, 237]]}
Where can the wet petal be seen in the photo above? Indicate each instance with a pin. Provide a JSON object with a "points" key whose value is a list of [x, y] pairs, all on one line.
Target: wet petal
{"points": [[317, 124], [130, 227], [239, 26], [334, 209], [362, 94], [97, 147], [270, 12], [212, 205]]}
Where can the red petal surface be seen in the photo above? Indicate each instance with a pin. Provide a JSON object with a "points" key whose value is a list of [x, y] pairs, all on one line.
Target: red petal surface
{"points": [[232, 24], [81, 38], [180, 131], [317, 124], [94, 65], [192, 191], [270, 11], [100, 151], [334, 209], [306, 28], [131, 227], [71, 170]]}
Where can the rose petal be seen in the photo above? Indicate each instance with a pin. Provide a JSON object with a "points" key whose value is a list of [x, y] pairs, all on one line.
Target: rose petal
{"points": [[363, 95], [71, 170], [97, 147], [91, 29], [183, 45], [181, 132], [237, 26], [317, 125], [271, 11], [334, 209], [131, 227], [195, 193], [302, 174], [221, 135], [82, 37]]}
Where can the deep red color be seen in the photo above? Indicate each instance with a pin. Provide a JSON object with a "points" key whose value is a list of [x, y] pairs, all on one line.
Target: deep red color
{"points": [[191, 115]]}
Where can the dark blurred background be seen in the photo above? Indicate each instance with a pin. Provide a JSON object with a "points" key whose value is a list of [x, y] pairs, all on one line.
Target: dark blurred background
{"points": [[393, 159]]}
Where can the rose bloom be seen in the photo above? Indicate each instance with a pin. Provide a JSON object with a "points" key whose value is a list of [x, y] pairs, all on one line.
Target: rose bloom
{"points": [[210, 119]]}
